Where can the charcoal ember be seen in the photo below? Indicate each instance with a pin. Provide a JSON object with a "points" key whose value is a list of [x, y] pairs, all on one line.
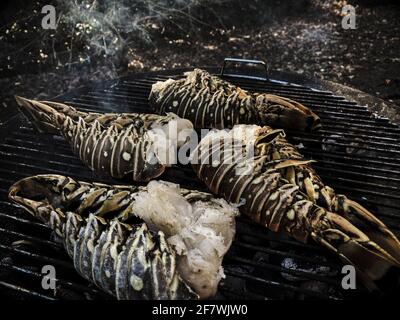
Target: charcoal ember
{"points": [[321, 287], [261, 257], [299, 146], [5, 262], [330, 143], [232, 284], [267, 271], [68, 294], [318, 287], [94, 293], [279, 240], [305, 266], [350, 145], [236, 269], [221, 296], [357, 147]]}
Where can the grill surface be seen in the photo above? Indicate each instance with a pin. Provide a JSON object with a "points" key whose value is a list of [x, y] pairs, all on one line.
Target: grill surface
{"points": [[357, 154]]}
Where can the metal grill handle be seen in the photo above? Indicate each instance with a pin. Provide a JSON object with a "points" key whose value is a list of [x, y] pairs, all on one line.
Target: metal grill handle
{"points": [[245, 61]]}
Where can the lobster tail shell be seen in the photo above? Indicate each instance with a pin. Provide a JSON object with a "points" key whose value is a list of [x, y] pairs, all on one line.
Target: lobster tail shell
{"points": [[210, 102], [374, 228], [179, 257], [104, 251], [355, 246], [41, 115], [140, 145], [280, 112], [270, 193]]}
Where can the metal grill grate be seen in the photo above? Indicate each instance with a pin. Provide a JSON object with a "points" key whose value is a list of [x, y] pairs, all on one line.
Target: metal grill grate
{"points": [[357, 154]]}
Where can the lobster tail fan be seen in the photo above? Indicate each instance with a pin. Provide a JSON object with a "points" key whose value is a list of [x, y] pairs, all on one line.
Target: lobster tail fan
{"points": [[355, 247], [46, 116], [370, 266], [30, 192], [364, 220], [41, 115], [286, 113]]}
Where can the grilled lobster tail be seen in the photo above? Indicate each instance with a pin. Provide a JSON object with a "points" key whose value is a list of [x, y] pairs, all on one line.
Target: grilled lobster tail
{"points": [[117, 144], [43, 114], [281, 154], [236, 166], [100, 230], [210, 102]]}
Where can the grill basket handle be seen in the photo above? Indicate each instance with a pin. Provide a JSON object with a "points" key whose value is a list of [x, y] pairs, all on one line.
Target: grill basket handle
{"points": [[244, 61]]}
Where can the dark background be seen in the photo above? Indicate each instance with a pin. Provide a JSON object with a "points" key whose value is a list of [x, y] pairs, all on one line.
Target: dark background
{"points": [[97, 40]]}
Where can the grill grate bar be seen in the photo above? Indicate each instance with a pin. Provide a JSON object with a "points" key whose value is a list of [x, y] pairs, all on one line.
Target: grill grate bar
{"points": [[241, 295], [287, 287], [266, 86], [250, 229], [140, 86], [53, 244], [133, 93], [18, 219], [64, 151], [117, 97], [78, 173], [300, 273], [30, 238], [57, 262], [78, 165], [88, 106], [394, 147], [37, 158], [144, 108], [315, 260], [38, 257], [380, 161], [305, 138], [352, 118], [68, 284], [24, 291], [359, 174], [62, 148], [345, 145], [323, 133], [371, 133]]}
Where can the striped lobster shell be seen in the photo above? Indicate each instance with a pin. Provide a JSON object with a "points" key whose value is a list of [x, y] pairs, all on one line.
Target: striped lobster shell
{"points": [[176, 253], [210, 102], [258, 167], [117, 144]]}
